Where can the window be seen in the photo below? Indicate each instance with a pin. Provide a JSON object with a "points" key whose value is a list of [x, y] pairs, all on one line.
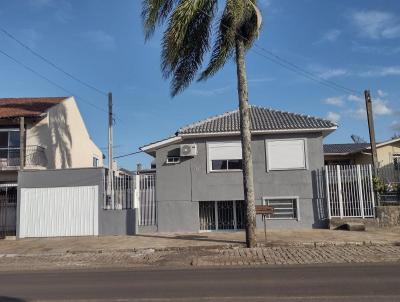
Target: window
{"points": [[9, 147], [224, 156], [284, 207], [396, 161], [172, 160], [95, 161], [286, 154]]}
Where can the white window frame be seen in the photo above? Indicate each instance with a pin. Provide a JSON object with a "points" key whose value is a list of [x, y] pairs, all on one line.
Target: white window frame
{"points": [[296, 198], [209, 160], [95, 157], [267, 157], [173, 160]]}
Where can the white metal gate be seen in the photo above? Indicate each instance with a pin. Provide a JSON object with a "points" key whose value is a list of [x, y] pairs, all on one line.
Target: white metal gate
{"points": [[145, 194], [349, 191], [62, 211]]}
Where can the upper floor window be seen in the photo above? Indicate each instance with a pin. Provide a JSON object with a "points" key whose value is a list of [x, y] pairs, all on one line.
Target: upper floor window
{"points": [[396, 161], [9, 147], [286, 154], [95, 161], [224, 156]]}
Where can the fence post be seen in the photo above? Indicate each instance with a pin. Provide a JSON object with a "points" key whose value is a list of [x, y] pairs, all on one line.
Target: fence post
{"points": [[339, 179], [372, 189], [328, 197], [136, 197], [360, 191]]}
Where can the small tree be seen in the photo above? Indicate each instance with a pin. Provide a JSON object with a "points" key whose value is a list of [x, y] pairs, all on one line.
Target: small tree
{"points": [[185, 42]]}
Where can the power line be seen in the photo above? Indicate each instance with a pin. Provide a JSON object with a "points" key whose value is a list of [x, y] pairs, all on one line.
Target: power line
{"points": [[51, 63], [50, 81], [269, 55], [128, 154]]}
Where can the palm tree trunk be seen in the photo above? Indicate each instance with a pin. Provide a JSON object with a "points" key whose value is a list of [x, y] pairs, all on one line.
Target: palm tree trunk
{"points": [[244, 109]]}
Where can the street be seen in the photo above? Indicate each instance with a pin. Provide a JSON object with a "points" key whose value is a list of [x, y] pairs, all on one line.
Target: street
{"points": [[366, 282]]}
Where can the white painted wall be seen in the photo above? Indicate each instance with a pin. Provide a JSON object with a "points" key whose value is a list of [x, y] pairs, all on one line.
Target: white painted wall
{"points": [[64, 135], [57, 212]]}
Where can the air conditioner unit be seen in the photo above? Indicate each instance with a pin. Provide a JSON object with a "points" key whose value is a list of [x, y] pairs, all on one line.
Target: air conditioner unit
{"points": [[188, 150]]}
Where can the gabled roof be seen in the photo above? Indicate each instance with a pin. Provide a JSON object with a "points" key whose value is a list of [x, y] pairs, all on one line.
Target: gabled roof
{"points": [[262, 119], [344, 148], [27, 107]]}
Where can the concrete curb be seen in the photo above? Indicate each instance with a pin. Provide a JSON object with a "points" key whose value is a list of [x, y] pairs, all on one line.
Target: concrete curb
{"points": [[144, 251]]}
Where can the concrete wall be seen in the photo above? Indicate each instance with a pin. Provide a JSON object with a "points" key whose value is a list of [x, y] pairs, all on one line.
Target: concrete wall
{"points": [[388, 216], [64, 135], [180, 187], [111, 222]]}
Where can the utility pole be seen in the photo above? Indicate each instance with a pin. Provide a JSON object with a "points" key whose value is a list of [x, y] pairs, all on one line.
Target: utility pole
{"points": [[110, 183], [21, 143], [371, 128]]}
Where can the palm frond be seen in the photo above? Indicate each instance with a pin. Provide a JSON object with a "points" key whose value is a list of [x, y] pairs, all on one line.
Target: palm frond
{"points": [[250, 25], [225, 42], [155, 12], [186, 40]]}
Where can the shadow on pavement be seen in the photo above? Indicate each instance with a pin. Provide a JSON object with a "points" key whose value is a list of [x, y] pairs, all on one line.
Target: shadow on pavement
{"points": [[10, 299], [190, 237]]}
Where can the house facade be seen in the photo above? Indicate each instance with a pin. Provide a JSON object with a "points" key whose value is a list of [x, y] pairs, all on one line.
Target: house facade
{"points": [[199, 183], [53, 136], [388, 153]]}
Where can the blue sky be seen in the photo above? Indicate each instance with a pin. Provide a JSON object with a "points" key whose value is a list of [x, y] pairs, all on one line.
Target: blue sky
{"points": [[355, 43]]}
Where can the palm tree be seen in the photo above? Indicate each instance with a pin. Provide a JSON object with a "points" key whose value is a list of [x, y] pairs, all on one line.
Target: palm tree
{"points": [[187, 39]]}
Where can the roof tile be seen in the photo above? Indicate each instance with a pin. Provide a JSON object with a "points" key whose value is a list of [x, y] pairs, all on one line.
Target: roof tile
{"points": [[27, 107], [262, 119]]}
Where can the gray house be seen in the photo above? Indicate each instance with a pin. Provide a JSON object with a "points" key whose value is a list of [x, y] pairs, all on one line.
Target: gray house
{"points": [[199, 180]]}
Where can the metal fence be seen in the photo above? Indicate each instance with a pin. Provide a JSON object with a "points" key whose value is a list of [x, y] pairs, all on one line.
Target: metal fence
{"points": [[34, 156], [8, 206], [123, 191], [145, 185], [349, 191]]}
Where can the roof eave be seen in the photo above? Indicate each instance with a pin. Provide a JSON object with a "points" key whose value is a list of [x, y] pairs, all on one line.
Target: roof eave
{"points": [[325, 132]]}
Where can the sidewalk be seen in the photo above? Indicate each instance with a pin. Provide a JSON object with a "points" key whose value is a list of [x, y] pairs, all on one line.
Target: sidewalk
{"points": [[160, 241], [204, 249]]}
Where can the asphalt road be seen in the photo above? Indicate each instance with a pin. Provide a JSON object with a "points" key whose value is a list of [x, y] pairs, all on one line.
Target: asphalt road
{"points": [[290, 283]]}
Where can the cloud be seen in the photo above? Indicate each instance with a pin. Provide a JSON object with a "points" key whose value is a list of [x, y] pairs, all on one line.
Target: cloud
{"points": [[372, 49], [42, 3], [100, 38], [260, 80], [375, 24], [395, 126], [332, 73], [330, 36], [61, 9], [333, 117], [382, 72], [210, 92], [355, 98], [335, 101], [380, 107], [265, 3], [31, 37], [381, 93]]}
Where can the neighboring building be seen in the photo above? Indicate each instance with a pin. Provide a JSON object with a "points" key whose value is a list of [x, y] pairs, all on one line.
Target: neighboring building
{"points": [[388, 153], [55, 137], [199, 180], [348, 154]]}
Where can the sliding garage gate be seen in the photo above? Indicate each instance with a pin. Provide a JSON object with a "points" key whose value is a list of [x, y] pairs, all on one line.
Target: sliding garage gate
{"points": [[59, 211]]}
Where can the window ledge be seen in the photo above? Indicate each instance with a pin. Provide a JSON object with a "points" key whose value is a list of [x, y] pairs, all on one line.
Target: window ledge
{"points": [[224, 171]]}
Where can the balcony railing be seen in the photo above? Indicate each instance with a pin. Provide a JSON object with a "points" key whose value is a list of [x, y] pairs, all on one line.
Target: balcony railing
{"points": [[34, 156]]}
